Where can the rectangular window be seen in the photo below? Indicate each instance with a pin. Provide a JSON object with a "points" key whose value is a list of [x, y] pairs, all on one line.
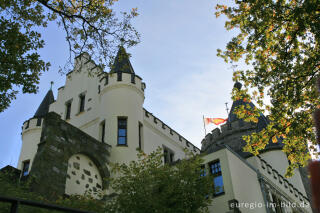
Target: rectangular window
{"points": [[215, 170], [102, 130], [119, 76], [168, 155], [106, 81], [122, 131], [39, 122], [140, 135], [82, 99], [68, 110], [25, 168], [165, 155], [133, 79], [277, 204]]}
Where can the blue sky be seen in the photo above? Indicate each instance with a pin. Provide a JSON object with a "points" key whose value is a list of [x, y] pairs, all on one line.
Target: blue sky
{"points": [[176, 59]]}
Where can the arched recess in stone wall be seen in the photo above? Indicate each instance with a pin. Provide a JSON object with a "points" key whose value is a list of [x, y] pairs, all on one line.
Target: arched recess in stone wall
{"points": [[60, 141], [83, 176]]}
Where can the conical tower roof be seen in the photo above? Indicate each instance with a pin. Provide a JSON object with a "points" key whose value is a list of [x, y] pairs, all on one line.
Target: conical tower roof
{"points": [[262, 120], [122, 62], [43, 109], [235, 129]]}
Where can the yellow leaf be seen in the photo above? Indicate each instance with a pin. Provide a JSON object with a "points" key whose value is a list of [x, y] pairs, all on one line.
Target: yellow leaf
{"points": [[274, 139]]}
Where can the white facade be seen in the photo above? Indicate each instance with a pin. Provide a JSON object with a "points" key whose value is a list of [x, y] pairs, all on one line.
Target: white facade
{"points": [[256, 185], [107, 98], [95, 102]]}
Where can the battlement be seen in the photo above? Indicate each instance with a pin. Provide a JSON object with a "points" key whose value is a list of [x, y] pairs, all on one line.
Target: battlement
{"points": [[284, 182], [32, 123], [165, 129], [226, 130], [114, 79]]}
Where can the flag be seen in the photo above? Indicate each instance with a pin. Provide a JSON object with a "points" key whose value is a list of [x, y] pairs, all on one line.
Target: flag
{"points": [[216, 121]]}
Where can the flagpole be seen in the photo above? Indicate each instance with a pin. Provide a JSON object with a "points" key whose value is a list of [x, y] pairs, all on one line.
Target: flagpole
{"points": [[204, 126]]}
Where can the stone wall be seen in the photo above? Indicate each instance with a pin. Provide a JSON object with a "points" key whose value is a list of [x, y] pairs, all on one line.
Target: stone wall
{"points": [[59, 141]]}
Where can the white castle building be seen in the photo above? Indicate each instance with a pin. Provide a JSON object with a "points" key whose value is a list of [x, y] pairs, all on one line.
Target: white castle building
{"points": [[99, 118]]}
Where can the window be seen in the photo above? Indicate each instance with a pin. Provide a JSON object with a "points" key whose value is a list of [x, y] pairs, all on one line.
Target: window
{"points": [[277, 204], [215, 170], [82, 99], [102, 130], [119, 76], [106, 80], [140, 135], [168, 155], [165, 155], [68, 110], [39, 122], [25, 168], [133, 78], [122, 131]]}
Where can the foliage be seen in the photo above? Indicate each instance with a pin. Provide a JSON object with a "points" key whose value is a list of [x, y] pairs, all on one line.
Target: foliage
{"points": [[11, 187], [279, 41], [147, 185], [90, 25]]}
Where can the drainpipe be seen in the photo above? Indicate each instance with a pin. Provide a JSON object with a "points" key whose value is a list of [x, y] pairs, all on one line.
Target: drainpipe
{"points": [[263, 190]]}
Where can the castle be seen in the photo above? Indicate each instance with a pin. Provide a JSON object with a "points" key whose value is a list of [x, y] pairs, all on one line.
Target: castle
{"points": [[98, 118]]}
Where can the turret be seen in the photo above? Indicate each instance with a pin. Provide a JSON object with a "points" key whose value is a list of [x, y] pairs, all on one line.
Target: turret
{"points": [[122, 96], [31, 132], [231, 133]]}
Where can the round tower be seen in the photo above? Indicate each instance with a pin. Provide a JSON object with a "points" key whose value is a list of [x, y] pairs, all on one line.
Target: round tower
{"points": [[231, 135], [121, 98], [31, 133]]}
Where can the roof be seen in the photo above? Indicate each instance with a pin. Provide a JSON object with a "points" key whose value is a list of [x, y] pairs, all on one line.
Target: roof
{"points": [[43, 109], [122, 62], [263, 121]]}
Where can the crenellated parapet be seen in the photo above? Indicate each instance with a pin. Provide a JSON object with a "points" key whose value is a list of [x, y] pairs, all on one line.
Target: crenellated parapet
{"points": [[230, 134], [168, 131], [32, 123], [285, 184], [121, 79]]}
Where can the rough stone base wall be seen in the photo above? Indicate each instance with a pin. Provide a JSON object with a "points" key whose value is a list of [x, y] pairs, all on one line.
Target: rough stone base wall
{"points": [[59, 141]]}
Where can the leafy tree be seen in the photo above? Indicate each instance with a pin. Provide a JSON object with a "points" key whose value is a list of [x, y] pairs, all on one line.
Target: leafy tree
{"points": [[147, 185], [90, 25], [279, 41]]}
